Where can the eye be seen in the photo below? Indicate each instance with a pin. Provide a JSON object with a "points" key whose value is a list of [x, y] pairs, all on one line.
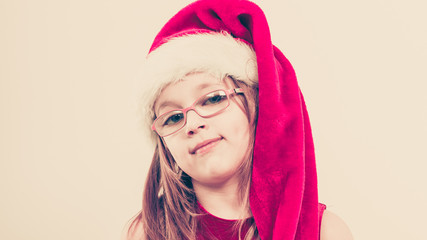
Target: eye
{"points": [[215, 98], [173, 119]]}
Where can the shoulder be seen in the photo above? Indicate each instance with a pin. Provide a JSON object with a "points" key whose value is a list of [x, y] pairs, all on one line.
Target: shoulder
{"points": [[334, 228], [133, 230]]}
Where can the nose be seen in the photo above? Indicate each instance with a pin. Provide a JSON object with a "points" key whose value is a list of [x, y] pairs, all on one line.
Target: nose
{"points": [[194, 123]]}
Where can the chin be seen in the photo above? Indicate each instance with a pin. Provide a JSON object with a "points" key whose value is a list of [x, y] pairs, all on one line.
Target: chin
{"points": [[219, 178]]}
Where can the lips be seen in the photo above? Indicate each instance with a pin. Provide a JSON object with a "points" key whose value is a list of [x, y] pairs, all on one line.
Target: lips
{"points": [[205, 145]]}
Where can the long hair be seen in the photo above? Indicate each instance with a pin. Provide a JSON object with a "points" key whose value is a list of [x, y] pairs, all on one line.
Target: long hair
{"points": [[169, 208]]}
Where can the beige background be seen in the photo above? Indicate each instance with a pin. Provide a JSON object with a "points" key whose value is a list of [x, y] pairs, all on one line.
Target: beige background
{"points": [[73, 158]]}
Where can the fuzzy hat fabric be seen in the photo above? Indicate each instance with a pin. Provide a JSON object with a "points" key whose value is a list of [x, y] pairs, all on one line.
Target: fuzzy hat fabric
{"points": [[283, 194], [195, 50]]}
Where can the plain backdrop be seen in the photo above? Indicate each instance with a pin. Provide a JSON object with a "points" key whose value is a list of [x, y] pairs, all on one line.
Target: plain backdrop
{"points": [[73, 157]]}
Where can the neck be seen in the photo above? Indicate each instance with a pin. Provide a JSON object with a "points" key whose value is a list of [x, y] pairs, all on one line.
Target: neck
{"points": [[221, 200]]}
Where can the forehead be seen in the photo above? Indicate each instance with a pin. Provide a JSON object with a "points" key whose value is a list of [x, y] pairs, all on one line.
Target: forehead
{"points": [[188, 89]]}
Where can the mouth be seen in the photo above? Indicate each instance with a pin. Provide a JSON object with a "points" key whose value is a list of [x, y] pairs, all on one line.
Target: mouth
{"points": [[205, 146]]}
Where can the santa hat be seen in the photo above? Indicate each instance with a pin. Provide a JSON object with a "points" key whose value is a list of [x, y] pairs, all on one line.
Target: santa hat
{"points": [[283, 193], [190, 51]]}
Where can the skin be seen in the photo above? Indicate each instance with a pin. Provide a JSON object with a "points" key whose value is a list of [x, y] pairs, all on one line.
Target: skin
{"points": [[213, 169], [334, 228]]}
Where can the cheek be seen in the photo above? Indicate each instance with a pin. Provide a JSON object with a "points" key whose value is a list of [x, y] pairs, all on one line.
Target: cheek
{"points": [[174, 147], [238, 128], [179, 151]]}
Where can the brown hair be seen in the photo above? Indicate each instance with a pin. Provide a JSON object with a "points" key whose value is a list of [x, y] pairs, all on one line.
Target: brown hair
{"points": [[169, 209]]}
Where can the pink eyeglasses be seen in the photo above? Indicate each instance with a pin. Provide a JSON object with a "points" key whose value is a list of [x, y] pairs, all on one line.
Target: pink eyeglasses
{"points": [[205, 106]]}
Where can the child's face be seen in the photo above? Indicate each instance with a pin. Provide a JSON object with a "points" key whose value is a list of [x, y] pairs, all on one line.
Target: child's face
{"points": [[228, 132]]}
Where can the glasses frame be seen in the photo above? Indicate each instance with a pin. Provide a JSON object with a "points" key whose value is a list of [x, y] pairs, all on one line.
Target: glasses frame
{"points": [[192, 107]]}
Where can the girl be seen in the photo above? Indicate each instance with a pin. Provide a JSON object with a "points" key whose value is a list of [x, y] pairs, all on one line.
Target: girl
{"points": [[234, 156]]}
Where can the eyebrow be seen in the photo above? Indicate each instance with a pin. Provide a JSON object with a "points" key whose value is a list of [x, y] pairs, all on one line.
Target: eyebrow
{"points": [[168, 103], [204, 85]]}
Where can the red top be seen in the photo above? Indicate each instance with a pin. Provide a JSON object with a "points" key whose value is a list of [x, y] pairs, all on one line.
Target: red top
{"points": [[212, 227]]}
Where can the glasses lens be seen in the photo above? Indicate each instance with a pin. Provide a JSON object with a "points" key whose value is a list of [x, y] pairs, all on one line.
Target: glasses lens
{"points": [[169, 122], [212, 103]]}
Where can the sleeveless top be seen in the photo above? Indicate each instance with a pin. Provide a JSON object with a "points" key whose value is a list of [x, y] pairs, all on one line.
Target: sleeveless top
{"points": [[212, 227]]}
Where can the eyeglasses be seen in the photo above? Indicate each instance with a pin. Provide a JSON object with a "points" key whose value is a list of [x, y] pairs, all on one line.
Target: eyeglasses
{"points": [[205, 106]]}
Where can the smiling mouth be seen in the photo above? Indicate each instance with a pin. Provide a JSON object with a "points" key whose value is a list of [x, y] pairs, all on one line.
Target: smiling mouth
{"points": [[206, 146]]}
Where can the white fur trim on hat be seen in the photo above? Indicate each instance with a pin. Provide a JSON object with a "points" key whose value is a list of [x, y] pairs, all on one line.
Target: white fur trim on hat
{"points": [[217, 53]]}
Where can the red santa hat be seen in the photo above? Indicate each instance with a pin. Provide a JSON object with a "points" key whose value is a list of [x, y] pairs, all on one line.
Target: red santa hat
{"points": [[283, 193]]}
